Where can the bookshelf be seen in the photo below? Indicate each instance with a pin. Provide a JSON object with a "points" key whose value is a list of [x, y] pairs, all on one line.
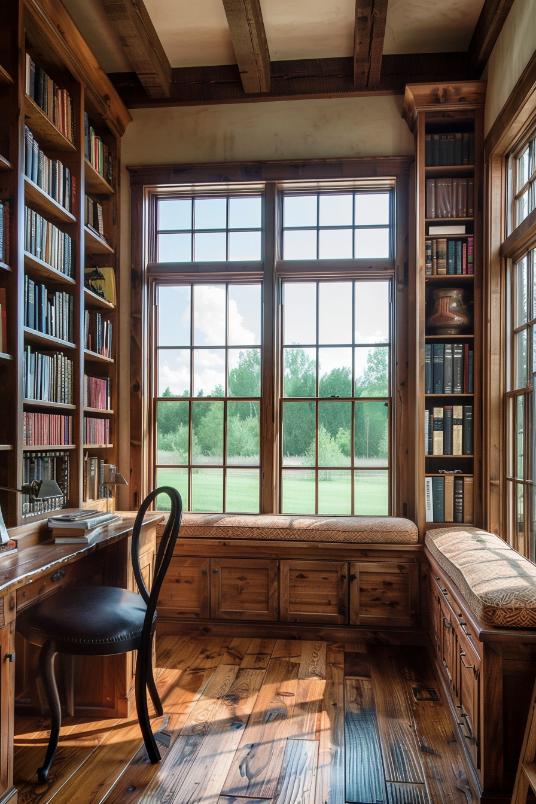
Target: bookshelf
{"points": [[48, 165], [446, 121]]}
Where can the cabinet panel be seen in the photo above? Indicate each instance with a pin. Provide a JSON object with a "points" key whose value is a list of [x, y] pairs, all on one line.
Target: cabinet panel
{"points": [[243, 589], [468, 674], [314, 591], [7, 700], [383, 593], [185, 592]]}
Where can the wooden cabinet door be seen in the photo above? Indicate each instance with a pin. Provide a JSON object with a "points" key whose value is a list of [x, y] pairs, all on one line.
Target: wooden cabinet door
{"points": [[243, 589], [468, 674], [7, 706], [185, 592], [314, 591], [435, 616], [383, 593], [448, 645]]}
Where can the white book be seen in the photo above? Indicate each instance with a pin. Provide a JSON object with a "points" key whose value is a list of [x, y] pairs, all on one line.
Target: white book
{"points": [[84, 524], [447, 229], [429, 501], [83, 538]]}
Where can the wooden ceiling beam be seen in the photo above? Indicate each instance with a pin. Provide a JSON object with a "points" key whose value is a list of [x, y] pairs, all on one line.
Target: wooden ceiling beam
{"points": [[141, 45], [249, 42], [369, 34], [487, 30]]}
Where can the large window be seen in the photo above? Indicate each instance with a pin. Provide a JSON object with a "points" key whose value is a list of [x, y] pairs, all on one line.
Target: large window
{"points": [[524, 182], [271, 374]]}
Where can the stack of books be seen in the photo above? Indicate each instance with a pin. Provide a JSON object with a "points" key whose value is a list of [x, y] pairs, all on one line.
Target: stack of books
{"points": [[444, 257], [448, 368], [47, 310], [48, 377], [51, 175], [48, 243], [79, 527], [55, 102], [98, 333], [452, 148], [449, 498], [449, 430], [449, 198], [97, 152], [94, 216]]}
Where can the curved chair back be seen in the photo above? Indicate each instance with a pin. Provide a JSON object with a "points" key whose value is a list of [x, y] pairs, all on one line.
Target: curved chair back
{"points": [[164, 554]]}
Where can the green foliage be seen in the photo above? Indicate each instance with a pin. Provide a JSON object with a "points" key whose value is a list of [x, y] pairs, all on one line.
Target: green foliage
{"points": [[374, 380], [300, 373], [329, 453], [245, 379], [243, 437]]}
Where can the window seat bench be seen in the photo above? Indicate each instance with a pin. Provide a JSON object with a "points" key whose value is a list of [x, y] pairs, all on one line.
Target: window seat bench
{"points": [[294, 576]]}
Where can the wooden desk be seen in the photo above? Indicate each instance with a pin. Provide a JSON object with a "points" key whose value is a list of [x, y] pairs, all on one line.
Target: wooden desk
{"points": [[103, 686]]}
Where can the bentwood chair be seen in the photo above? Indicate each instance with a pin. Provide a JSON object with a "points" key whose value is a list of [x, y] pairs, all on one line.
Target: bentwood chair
{"points": [[105, 620]]}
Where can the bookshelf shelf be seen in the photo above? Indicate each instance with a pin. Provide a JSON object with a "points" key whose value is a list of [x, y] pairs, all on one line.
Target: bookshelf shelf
{"points": [[47, 447], [95, 183], [5, 76], [101, 411], [45, 204], [452, 170], [4, 266], [465, 337], [5, 164], [449, 396], [38, 267], [441, 279], [33, 336], [443, 221], [6, 447], [38, 403], [44, 129], [98, 446], [96, 244], [96, 358], [94, 300], [450, 457]]}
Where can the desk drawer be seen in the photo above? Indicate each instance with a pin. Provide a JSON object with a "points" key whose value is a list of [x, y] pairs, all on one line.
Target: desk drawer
{"points": [[50, 583]]}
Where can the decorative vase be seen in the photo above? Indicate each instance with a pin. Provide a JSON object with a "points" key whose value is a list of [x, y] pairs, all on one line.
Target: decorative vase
{"points": [[449, 314]]}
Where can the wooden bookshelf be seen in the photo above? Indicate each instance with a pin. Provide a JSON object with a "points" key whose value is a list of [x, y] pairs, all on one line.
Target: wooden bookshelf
{"points": [[440, 115], [39, 31]]}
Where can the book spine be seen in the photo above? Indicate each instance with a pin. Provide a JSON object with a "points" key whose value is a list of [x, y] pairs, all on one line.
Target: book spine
{"points": [[467, 429], [437, 431], [447, 430], [428, 369], [438, 499], [458, 499], [438, 361]]}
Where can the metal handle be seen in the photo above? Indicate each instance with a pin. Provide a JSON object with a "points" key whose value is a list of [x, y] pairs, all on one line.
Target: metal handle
{"points": [[9, 657], [467, 666], [447, 624], [58, 575]]}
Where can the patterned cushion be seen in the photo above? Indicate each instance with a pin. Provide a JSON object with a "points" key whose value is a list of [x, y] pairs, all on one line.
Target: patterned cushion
{"points": [[498, 584], [360, 529]]}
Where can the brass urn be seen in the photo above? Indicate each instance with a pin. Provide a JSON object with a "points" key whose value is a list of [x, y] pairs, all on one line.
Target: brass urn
{"points": [[449, 312]]}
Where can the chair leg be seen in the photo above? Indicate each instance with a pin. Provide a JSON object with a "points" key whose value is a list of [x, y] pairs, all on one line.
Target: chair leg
{"points": [[151, 685], [46, 671], [142, 681]]}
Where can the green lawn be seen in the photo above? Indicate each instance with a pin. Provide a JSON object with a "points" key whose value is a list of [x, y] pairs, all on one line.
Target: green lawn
{"points": [[298, 491]]}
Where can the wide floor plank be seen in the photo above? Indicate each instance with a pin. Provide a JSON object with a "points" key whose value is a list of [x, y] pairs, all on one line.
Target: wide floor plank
{"points": [[364, 770]]}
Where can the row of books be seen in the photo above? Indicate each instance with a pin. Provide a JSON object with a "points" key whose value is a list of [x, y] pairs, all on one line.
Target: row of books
{"points": [[97, 152], [449, 198], [51, 175], [449, 498], [100, 279], [94, 215], [93, 478], [98, 333], [48, 243], [448, 368], [47, 428], [445, 257], [97, 392], [48, 311], [49, 465], [55, 102], [48, 377], [451, 148], [4, 231], [96, 431], [448, 430], [3, 320]]}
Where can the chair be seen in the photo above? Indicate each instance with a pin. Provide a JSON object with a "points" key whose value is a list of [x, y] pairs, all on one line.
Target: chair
{"points": [[105, 620]]}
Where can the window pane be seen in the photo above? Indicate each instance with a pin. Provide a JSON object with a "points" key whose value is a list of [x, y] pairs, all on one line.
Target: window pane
{"points": [[244, 372], [523, 168], [521, 359], [209, 372], [371, 493], [520, 436], [172, 432], [177, 479], [335, 312], [521, 292], [209, 315], [174, 248], [207, 433], [243, 433], [371, 312], [210, 247], [242, 493], [335, 244], [174, 315], [244, 246], [522, 206], [371, 435], [210, 213], [335, 371], [371, 371], [520, 516], [244, 315], [297, 492], [371, 244], [299, 210], [372, 209], [173, 372], [334, 492], [175, 213], [299, 441], [336, 210], [334, 433], [299, 312], [299, 244], [207, 490], [245, 212], [299, 372]]}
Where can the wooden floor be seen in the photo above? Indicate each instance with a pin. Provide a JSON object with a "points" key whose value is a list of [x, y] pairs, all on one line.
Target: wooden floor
{"points": [[252, 721]]}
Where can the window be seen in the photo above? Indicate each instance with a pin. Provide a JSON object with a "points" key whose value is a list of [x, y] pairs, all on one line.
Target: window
{"points": [[524, 182]]}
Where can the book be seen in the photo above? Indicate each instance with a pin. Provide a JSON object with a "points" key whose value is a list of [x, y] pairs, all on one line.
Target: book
{"points": [[450, 229], [458, 499], [428, 498], [457, 429], [447, 368], [438, 360], [447, 429], [75, 536], [449, 498], [468, 488], [467, 442], [438, 499], [428, 370], [437, 425], [101, 280], [83, 523]]}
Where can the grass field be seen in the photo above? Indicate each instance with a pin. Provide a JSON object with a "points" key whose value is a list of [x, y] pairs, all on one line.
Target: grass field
{"points": [[334, 495]]}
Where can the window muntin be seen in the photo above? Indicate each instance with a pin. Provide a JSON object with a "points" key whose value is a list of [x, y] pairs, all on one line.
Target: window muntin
{"points": [[335, 405], [336, 225], [209, 229], [524, 182], [208, 394]]}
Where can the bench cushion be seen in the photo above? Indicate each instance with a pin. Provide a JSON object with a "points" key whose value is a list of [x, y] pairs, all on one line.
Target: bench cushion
{"points": [[355, 529], [498, 584]]}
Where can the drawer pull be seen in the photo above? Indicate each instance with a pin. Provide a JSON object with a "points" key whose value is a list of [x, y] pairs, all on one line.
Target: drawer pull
{"points": [[447, 624], [467, 666], [58, 575], [9, 657]]}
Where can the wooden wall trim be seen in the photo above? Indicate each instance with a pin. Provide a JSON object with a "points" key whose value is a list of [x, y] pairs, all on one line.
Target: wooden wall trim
{"points": [[489, 25], [249, 43], [510, 123], [370, 18]]}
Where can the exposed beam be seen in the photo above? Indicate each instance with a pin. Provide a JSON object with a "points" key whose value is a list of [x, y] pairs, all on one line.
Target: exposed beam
{"points": [[249, 43], [308, 78], [370, 18], [141, 45], [488, 28]]}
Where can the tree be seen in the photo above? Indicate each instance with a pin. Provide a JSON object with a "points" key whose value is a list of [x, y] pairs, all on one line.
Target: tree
{"points": [[245, 378], [375, 379]]}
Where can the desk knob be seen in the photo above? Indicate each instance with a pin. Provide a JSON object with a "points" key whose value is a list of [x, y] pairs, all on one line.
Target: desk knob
{"points": [[10, 657]]}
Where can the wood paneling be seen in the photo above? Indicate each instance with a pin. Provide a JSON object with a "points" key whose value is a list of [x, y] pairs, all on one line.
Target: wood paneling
{"points": [[185, 592], [383, 593], [314, 591], [7, 705], [243, 589]]}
